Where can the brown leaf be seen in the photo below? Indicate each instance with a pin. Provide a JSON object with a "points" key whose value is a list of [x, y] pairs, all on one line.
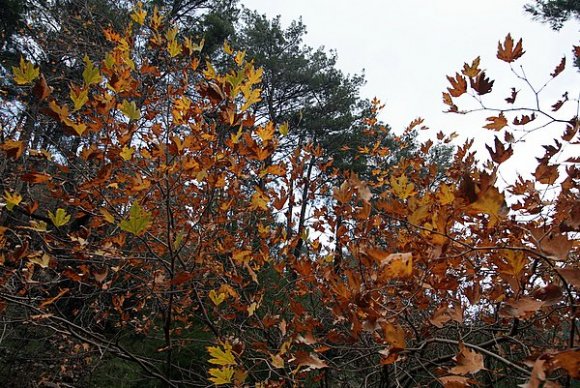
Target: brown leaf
{"points": [[472, 70], [538, 375], [524, 119], [481, 84], [521, 308], [571, 275], [309, 360], [512, 98], [447, 100], [496, 122], [557, 245], [549, 293], [455, 381], [445, 314], [545, 174], [571, 129], [468, 361], [507, 52], [41, 90], [501, 154], [560, 102], [394, 335], [458, 85], [560, 68]]}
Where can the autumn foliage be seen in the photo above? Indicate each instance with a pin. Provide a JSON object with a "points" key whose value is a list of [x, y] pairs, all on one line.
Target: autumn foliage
{"points": [[177, 222]]}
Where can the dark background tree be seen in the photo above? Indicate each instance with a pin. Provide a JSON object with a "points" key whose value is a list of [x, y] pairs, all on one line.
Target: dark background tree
{"points": [[554, 12]]}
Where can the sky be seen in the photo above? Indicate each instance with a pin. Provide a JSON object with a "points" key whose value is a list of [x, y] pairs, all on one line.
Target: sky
{"points": [[406, 49]]}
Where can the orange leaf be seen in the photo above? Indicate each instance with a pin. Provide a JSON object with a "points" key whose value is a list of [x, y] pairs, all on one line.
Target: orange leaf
{"points": [[458, 85], [507, 52], [36, 177], [13, 148], [496, 122], [472, 70], [468, 361], [445, 314], [570, 362]]}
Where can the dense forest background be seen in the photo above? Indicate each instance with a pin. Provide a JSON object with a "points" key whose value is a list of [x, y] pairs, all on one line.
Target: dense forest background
{"points": [[193, 196]]}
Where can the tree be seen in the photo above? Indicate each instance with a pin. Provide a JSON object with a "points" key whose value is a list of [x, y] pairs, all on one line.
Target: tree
{"points": [[554, 12], [165, 250]]}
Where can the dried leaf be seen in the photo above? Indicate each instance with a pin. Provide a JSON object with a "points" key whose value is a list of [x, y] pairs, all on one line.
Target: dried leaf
{"points": [[512, 98], [471, 71], [524, 119], [560, 68], [501, 154], [481, 84], [521, 308], [458, 85], [496, 122], [507, 52], [468, 361]]}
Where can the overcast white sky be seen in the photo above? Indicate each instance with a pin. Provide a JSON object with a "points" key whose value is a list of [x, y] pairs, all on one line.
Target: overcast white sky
{"points": [[408, 47]]}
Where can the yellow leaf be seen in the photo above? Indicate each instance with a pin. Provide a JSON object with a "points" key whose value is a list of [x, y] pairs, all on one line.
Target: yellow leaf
{"points": [[260, 200], [252, 308], [60, 218], [284, 129], [239, 58], [252, 96], [139, 14], [91, 74], [38, 226], [236, 137], [221, 376], [173, 48], [491, 202], [401, 187], [445, 194], [266, 133], [79, 97], [227, 48], [138, 220], [216, 298], [254, 75], [156, 19], [42, 261], [130, 110], [221, 357], [13, 148], [12, 200], [25, 73], [209, 72], [107, 216], [277, 361], [127, 153], [395, 265], [191, 47]]}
